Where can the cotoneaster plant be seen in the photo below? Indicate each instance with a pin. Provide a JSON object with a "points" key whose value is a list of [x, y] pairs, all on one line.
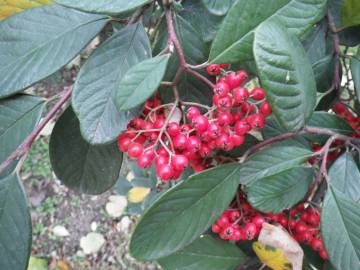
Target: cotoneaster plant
{"points": [[239, 119]]}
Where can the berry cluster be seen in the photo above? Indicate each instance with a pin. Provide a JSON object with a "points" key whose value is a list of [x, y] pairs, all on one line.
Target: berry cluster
{"points": [[175, 145], [245, 223], [343, 111]]}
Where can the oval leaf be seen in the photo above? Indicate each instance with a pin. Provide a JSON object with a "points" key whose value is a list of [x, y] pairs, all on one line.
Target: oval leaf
{"points": [[37, 42], [344, 176], [86, 168], [343, 244], [18, 118], [205, 253], [140, 82], [184, 212], [271, 161], [104, 6], [15, 224], [286, 74], [233, 43], [98, 80], [280, 191], [355, 72], [9, 8], [218, 7]]}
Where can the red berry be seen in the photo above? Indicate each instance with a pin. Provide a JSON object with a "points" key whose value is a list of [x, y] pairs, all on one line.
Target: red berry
{"points": [[193, 144], [213, 69], [205, 151], [123, 143], [214, 130], [239, 234], [256, 120], [165, 172], [283, 221], [200, 123], [234, 79], [180, 141], [192, 113], [223, 221], [225, 118], [184, 129], [257, 94], [306, 237], [173, 129], [135, 150], [215, 228], [161, 160], [292, 223], [340, 108], [323, 254], [242, 74], [314, 219], [223, 142], [179, 162], [240, 94], [160, 122], [221, 89], [247, 108], [144, 161], [224, 103], [250, 231], [242, 127], [237, 140], [265, 108], [227, 233], [301, 227], [258, 221], [317, 244], [234, 215]]}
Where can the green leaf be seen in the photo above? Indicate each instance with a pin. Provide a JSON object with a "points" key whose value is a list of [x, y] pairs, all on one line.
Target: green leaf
{"points": [[286, 75], [122, 186], [39, 41], [233, 43], [344, 176], [330, 121], [15, 224], [18, 118], [218, 7], [340, 229], [355, 72], [98, 80], [184, 212], [350, 13], [140, 82], [280, 191], [271, 161], [205, 253], [83, 167], [201, 19], [104, 6]]}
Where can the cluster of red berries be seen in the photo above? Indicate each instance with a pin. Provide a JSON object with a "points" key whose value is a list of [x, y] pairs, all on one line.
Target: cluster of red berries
{"points": [[173, 146], [245, 223], [354, 121]]}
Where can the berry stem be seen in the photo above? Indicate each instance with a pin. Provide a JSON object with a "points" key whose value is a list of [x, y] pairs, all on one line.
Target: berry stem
{"points": [[200, 77], [25, 146]]}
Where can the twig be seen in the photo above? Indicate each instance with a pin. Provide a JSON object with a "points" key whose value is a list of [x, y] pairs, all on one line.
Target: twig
{"points": [[200, 77], [336, 42], [25, 146]]}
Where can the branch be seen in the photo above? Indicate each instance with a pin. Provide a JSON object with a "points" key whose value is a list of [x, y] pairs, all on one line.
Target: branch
{"points": [[336, 43], [25, 146]]}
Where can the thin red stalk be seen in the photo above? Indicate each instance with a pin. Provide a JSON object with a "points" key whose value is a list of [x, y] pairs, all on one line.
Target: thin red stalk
{"points": [[25, 146]]}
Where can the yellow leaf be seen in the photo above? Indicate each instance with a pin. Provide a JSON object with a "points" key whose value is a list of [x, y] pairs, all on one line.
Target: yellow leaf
{"points": [[138, 194], [62, 265], [10, 7], [271, 256]]}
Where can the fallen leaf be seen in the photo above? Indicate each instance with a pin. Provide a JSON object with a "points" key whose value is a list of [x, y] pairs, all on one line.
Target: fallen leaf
{"points": [[62, 265], [138, 194], [92, 242], [60, 231], [10, 7], [116, 206], [275, 240], [37, 264]]}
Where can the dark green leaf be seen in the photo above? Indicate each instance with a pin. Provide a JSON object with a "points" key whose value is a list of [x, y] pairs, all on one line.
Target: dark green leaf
{"points": [[271, 161], [79, 165], [98, 80], [184, 212], [199, 17], [330, 121], [280, 191], [15, 224], [205, 253], [37, 42], [340, 229], [344, 176], [140, 82], [273, 129], [233, 42], [286, 74], [18, 118], [350, 13], [355, 71], [104, 6], [218, 7]]}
